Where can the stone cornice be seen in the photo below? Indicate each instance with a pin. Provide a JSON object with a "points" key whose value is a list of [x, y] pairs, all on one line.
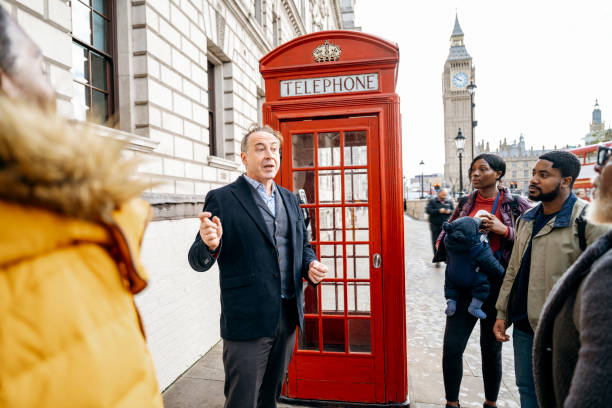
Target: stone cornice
{"points": [[224, 164], [174, 206], [248, 22], [338, 14], [133, 141], [294, 16]]}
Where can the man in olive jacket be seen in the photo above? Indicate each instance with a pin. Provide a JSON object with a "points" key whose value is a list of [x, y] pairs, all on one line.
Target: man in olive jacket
{"points": [[545, 246]]}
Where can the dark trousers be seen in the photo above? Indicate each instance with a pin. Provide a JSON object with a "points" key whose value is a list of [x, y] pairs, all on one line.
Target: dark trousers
{"points": [[456, 335], [255, 369], [435, 232]]}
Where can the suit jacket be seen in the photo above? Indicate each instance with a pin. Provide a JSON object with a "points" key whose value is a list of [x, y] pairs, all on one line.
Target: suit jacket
{"points": [[249, 272]]}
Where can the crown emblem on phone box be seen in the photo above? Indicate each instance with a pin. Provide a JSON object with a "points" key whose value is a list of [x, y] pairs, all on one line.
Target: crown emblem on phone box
{"points": [[327, 52]]}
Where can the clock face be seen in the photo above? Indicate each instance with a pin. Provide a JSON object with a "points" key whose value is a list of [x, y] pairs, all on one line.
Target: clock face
{"points": [[460, 80]]}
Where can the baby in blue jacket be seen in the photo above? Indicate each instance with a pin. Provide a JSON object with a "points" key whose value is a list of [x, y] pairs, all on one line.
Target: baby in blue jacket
{"points": [[469, 262]]}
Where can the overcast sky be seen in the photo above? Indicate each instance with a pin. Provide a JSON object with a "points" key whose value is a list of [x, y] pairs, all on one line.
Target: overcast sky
{"points": [[540, 65]]}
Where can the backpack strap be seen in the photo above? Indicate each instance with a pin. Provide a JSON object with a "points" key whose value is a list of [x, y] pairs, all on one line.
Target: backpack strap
{"points": [[581, 223], [461, 202], [514, 206]]}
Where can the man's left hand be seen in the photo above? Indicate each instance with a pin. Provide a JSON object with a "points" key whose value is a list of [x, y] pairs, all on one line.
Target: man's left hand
{"points": [[316, 272]]}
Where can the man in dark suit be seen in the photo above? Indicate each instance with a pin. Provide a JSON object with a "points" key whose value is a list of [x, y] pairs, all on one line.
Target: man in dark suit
{"points": [[255, 230]]}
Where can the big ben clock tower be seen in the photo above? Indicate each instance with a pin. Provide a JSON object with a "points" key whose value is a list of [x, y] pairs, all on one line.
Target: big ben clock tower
{"points": [[458, 72]]}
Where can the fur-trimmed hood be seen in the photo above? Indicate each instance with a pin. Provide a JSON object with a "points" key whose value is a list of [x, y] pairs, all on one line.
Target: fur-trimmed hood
{"points": [[60, 183], [48, 162]]}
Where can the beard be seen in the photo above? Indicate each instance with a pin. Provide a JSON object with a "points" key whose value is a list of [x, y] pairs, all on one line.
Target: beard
{"points": [[600, 210], [545, 197]]}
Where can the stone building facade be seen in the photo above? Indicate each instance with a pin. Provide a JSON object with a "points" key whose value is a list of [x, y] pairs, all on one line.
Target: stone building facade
{"points": [[458, 73], [179, 80], [520, 162], [597, 128]]}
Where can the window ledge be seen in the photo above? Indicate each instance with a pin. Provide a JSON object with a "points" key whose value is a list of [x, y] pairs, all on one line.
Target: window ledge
{"points": [[214, 161], [133, 142], [174, 206]]}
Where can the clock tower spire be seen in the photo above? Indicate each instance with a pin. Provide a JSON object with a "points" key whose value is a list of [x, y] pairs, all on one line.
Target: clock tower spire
{"points": [[457, 74]]}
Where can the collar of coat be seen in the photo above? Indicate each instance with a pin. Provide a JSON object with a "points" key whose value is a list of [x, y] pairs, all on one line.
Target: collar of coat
{"points": [[563, 217]]}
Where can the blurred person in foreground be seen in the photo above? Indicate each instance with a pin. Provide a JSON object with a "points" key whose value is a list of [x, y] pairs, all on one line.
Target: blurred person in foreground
{"points": [[70, 334], [439, 210], [573, 341]]}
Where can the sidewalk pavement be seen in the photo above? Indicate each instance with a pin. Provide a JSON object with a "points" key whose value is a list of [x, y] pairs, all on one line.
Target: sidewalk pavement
{"points": [[202, 385]]}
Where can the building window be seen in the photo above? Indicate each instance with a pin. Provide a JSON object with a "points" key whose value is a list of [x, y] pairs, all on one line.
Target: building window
{"points": [[258, 14], [526, 173], [212, 111], [591, 157], [92, 59], [216, 106]]}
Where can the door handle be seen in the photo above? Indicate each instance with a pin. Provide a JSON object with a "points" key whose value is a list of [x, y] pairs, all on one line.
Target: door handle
{"points": [[376, 261]]}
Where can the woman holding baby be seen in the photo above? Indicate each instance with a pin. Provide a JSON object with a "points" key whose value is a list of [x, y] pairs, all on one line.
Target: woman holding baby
{"points": [[498, 210]]}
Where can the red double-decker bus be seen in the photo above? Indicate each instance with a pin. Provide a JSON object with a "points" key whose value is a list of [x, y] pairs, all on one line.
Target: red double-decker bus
{"points": [[588, 158]]}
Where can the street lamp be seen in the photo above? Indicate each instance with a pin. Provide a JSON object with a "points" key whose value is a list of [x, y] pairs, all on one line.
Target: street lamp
{"points": [[471, 88], [460, 143], [421, 164]]}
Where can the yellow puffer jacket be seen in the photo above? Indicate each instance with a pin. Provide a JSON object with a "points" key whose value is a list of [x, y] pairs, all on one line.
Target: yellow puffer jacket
{"points": [[70, 334]]}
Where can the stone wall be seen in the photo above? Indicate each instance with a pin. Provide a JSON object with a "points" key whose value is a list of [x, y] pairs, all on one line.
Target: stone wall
{"points": [[416, 209], [180, 308]]}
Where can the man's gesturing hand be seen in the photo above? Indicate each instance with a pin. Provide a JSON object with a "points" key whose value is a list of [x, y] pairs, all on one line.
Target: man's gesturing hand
{"points": [[210, 231], [316, 271]]}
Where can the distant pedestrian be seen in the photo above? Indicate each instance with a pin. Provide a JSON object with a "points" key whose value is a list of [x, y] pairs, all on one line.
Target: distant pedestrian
{"points": [[582, 194], [573, 340], [255, 230], [486, 172], [439, 209], [71, 226], [547, 242]]}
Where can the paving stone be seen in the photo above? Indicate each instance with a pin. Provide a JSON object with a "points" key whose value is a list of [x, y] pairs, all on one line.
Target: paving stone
{"points": [[202, 385], [190, 392], [425, 321]]}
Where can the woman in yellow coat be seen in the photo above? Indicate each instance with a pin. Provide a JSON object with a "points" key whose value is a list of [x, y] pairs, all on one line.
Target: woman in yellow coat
{"points": [[70, 334], [70, 232]]}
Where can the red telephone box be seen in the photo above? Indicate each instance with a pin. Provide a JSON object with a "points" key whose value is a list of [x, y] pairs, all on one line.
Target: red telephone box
{"points": [[332, 95]]}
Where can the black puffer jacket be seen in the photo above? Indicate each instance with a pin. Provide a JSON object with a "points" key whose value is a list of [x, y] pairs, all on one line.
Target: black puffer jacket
{"points": [[466, 253], [433, 209]]}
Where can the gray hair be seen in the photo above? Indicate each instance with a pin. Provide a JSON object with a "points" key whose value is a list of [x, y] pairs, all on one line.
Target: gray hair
{"points": [[258, 128]]}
